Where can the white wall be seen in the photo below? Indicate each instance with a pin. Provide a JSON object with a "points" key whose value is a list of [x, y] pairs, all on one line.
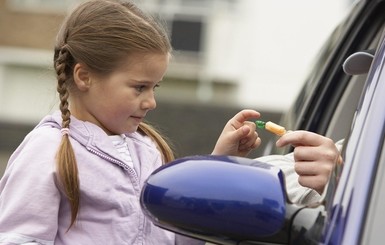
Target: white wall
{"points": [[268, 45], [27, 85]]}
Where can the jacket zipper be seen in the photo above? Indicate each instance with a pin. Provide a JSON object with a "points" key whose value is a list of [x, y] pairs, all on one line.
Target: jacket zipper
{"points": [[131, 171], [117, 162]]}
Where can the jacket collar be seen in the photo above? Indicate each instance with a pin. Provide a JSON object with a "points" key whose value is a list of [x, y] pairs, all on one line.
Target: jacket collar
{"points": [[94, 138]]}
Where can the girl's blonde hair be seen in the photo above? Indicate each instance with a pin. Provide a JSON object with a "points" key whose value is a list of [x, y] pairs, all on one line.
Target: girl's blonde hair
{"points": [[101, 34]]}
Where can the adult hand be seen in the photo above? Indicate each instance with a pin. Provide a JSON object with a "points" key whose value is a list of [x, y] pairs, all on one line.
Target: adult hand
{"points": [[314, 156], [238, 137]]}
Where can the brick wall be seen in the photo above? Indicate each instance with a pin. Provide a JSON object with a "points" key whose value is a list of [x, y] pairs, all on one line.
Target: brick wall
{"points": [[28, 29]]}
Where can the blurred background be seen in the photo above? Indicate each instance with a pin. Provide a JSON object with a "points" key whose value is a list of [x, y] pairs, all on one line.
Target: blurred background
{"points": [[229, 55]]}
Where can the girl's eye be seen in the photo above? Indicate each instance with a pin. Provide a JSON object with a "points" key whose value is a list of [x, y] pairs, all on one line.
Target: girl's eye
{"points": [[140, 88]]}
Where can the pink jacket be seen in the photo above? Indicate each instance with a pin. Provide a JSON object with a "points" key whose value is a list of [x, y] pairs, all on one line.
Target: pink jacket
{"points": [[33, 209]]}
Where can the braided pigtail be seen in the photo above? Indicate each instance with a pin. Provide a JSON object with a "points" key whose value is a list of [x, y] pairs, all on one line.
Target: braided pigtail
{"points": [[66, 162], [163, 146]]}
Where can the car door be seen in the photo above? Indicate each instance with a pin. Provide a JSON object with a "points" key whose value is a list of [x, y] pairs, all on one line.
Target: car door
{"points": [[350, 211], [329, 108]]}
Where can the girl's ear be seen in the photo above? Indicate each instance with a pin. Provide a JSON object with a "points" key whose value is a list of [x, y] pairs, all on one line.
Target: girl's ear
{"points": [[82, 77]]}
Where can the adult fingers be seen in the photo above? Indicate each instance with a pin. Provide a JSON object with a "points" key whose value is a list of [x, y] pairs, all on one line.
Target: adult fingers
{"points": [[301, 137], [317, 183], [307, 168], [313, 175]]}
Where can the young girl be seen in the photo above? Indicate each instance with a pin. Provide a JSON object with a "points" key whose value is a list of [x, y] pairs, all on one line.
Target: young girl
{"points": [[77, 177]]}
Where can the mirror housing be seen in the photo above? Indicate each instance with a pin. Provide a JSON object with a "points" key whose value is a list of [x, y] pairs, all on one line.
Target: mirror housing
{"points": [[216, 198]]}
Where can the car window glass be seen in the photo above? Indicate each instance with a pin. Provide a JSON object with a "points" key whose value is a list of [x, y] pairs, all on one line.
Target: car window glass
{"points": [[341, 120]]}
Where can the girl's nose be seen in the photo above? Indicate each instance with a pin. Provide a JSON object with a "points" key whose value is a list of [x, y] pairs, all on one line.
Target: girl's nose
{"points": [[149, 103]]}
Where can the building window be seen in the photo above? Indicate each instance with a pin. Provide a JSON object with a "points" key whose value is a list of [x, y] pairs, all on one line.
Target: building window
{"points": [[186, 35]]}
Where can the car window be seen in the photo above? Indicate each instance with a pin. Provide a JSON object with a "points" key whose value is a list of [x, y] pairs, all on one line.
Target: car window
{"points": [[343, 115]]}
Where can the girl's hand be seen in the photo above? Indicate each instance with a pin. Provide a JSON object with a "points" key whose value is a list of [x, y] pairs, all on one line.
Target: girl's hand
{"points": [[238, 137], [314, 156]]}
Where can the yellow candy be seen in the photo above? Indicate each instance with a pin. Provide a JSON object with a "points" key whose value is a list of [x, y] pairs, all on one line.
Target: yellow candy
{"points": [[275, 128]]}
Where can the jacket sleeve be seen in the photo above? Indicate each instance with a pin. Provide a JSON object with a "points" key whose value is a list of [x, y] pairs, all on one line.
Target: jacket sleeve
{"points": [[295, 192], [29, 197]]}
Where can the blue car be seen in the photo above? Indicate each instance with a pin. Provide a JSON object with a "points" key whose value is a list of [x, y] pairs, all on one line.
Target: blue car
{"points": [[232, 200]]}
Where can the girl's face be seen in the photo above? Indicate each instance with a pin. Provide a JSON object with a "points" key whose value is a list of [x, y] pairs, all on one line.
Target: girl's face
{"points": [[120, 101]]}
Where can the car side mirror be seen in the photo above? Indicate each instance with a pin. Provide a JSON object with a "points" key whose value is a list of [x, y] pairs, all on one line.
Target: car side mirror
{"points": [[216, 198]]}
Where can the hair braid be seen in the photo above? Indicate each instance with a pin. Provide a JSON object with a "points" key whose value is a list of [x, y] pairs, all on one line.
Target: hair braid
{"points": [[62, 85], [66, 162]]}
